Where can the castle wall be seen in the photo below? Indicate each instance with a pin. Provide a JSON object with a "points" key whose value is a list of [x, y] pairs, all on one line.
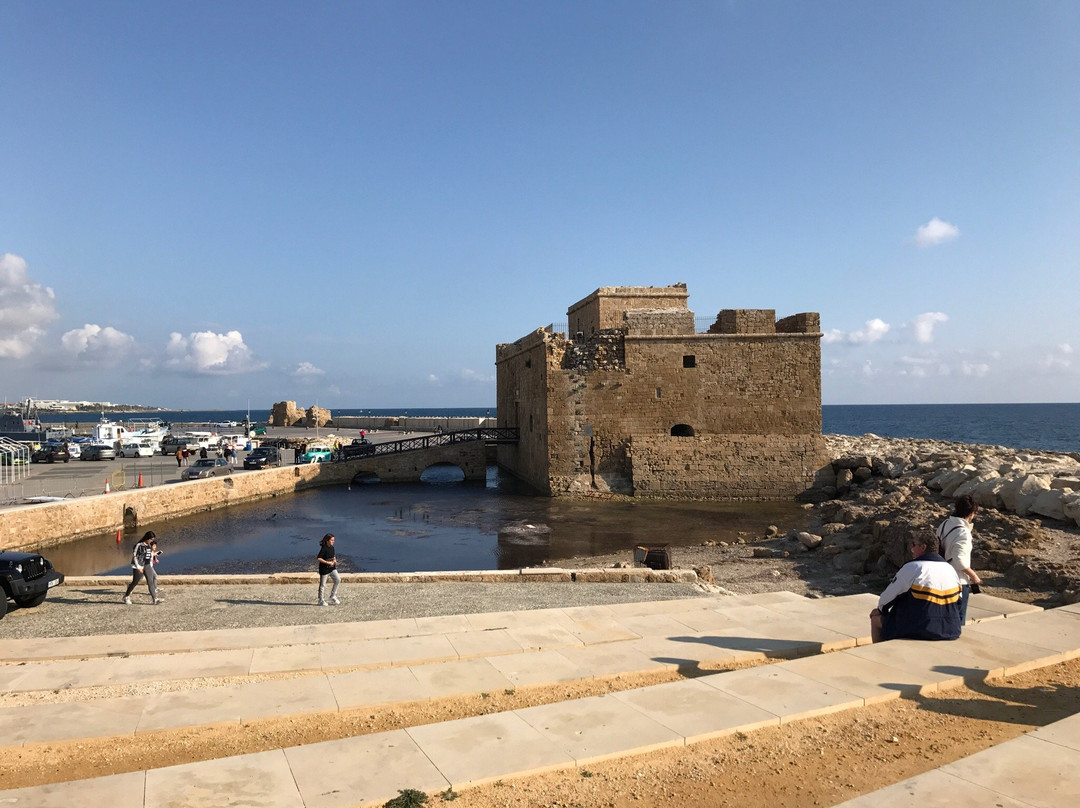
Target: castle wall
{"points": [[725, 467], [604, 308], [522, 397]]}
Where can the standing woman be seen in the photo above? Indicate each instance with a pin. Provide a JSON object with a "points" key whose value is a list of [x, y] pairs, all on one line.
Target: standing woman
{"points": [[955, 537], [327, 559], [142, 558]]}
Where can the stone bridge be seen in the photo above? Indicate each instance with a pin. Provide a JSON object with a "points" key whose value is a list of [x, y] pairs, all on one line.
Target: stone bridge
{"points": [[406, 466]]}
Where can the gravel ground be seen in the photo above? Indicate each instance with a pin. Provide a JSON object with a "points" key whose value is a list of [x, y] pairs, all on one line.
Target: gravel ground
{"points": [[77, 610]]}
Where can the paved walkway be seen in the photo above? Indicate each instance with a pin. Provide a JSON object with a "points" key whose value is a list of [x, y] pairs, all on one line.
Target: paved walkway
{"points": [[359, 664]]}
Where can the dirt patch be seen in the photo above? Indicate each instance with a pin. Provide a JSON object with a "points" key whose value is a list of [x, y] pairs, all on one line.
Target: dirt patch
{"points": [[819, 761]]}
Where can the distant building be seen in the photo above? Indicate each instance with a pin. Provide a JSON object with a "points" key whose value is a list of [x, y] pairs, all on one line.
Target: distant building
{"points": [[635, 402]]}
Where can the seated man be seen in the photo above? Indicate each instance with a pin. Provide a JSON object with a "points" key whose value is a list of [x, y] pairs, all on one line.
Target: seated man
{"points": [[923, 600]]}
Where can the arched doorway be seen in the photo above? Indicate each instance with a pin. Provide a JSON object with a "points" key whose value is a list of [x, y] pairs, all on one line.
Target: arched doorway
{"points": [[682, 431]]}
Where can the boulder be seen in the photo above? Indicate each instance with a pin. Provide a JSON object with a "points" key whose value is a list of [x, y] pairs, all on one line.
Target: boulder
{"points": [[843, 480], [1065, 483], [890, 468], [862, 474], [852, 462], [1049, 503], [808, 540], [1070, 504], [957, 479], [972, 484], [1022, 487], [987, 494]]}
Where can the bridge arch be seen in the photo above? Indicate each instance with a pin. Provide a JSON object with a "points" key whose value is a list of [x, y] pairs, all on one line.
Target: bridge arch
{"points": [[443, 472]]}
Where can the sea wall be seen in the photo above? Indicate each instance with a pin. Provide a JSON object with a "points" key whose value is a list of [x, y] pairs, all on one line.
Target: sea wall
{"points": [[57, 522]]}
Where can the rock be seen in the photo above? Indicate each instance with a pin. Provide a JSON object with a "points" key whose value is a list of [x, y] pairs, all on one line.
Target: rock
{"points": [[1070, 505], [957, 479], [808, 540], [851, 463], [831, 527], [862, 474], [843, 481], [772, 531], [1049, 503], [1018, 487], [704, 572], [988, 493], [969, 486], [1066, 483], [763, 552]]}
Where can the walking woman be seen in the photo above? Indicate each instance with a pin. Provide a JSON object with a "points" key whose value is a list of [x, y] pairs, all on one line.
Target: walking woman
{"points": [[327, 559], [142, 564]]}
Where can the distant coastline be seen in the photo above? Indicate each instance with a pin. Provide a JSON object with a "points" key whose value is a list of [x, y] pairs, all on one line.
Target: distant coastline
{"points": [[1045, 427]]}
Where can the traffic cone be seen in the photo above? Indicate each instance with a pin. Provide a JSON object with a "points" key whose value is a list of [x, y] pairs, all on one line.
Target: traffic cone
{"points": [[108, 489], [140, 485], [118, 535]]}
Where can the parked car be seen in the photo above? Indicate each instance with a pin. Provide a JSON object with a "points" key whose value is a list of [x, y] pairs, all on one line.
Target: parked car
{"points": [[360, 447], [25, 578], [75, 450], [263, 457], [317, 454], [50, 453], [136, 450], [206, 467], [173, 442], [97, 451]]}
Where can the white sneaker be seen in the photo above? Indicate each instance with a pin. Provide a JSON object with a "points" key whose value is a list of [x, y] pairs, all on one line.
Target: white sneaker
{"points": [[127, 600], [322, 602], [158, 600], [334, 600]]}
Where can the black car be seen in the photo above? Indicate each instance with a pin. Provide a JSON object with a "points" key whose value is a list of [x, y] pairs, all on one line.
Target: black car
{"points": [[263, 457], [360, 447], [26, 578], [50, 453]]}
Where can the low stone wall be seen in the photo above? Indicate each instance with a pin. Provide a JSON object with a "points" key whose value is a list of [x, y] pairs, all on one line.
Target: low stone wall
{"points": [[56, 522], [726, 467], [410, 422]]}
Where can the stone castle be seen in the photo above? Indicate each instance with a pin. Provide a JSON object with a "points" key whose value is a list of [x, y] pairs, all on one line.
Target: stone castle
{"points": [[636, 402]]}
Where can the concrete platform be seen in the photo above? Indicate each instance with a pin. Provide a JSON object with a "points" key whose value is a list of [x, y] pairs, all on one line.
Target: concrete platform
{"points": [[474, 750]]}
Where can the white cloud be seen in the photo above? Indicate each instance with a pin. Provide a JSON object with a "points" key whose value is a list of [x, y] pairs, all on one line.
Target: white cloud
{"points": [[936, 232], [96, 345], [1065, 348], [306, 370], [979, 369], [1061, 358], [472, 376], [432, 379], [923, 325], [207, 353], [875, 329], [25, 308]]}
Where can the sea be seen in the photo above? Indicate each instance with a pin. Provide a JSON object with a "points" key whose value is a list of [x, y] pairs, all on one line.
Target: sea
{"points": [[1049, 427]]}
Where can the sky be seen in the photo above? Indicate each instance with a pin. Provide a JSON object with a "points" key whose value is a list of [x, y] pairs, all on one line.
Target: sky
{"points": [[349, 204]]}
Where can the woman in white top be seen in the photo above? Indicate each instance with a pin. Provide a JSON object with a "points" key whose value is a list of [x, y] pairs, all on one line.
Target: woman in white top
{"points": [[955, 537]]}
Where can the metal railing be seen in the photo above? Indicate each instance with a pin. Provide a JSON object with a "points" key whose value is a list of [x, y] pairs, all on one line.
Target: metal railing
{"points": [[487, 434]]}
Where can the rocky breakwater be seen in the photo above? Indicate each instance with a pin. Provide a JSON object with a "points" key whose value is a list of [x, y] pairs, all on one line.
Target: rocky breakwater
{"points": [[878, 491]]}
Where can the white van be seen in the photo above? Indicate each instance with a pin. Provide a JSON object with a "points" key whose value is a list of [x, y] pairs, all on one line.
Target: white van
{"points": [[204, 440]]}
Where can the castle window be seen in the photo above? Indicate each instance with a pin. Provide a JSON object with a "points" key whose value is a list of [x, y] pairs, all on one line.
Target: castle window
{"points": [[682, 431], [658, 392], [689, 361], [528, 363]]}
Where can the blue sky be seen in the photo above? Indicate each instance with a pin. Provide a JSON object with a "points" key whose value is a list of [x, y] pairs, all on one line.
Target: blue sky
{"points": [[351, 203]]}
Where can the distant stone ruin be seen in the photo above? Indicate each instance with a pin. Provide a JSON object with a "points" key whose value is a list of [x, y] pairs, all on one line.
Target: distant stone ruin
{"points": [[286, 413]]}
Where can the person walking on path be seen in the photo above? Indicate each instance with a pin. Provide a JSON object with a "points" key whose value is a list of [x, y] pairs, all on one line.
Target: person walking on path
{"points": [[142, 565], [179, 457], [956, 540], [327, 560]]}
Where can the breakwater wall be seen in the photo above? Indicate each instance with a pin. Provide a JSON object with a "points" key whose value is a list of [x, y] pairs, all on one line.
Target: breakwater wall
{"points": [[53, 523], [408, 423]]}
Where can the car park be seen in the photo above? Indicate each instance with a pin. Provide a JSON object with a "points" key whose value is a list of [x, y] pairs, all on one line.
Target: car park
{"points": [[97, 451], [317, 454], [25, 578], [263, 457], [51, 453], [206, 467], [136, 450]]}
